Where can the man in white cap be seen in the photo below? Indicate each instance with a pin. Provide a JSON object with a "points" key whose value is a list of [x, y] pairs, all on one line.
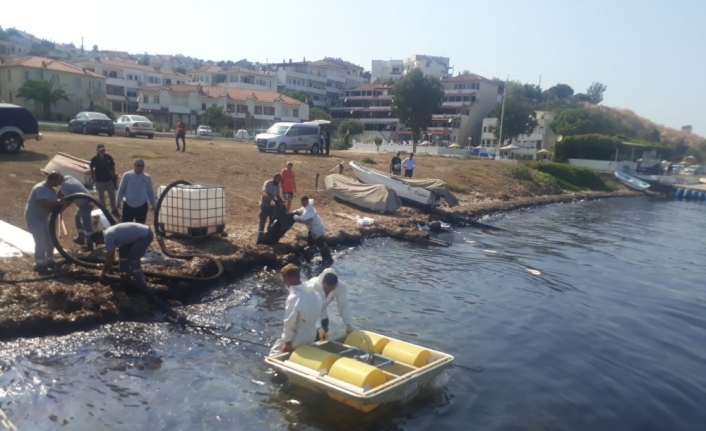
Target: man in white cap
{"points": [[103, 174]]}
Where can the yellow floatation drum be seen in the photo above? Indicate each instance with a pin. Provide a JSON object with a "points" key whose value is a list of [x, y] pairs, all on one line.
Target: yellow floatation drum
{"points": [[407, 353], [367, 341], [313, 358], [357, 374]]}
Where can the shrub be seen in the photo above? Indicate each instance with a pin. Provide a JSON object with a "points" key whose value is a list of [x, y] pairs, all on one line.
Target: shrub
{"points": [[378, 142], [105, 111], [518, 172], [159, 129], [353, 127], [577, 177], [369, 161], [342, 144], [594, 146], [456, 187], [226, 132]]}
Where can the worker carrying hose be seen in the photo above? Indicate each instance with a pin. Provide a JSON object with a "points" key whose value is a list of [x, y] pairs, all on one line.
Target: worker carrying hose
{"points": [[308, 215], [301, 312], [42, 200], [330, 288], [69, 186], [133, 240]]}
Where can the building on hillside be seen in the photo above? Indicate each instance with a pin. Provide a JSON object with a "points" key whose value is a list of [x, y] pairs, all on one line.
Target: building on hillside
{"points": [[125, 78], [233, 77], [542, 137], [10, 48], [371, 104], [383, 70], [687, 129], [84, 88], [468, 99], [250, 109], [340, 76]]}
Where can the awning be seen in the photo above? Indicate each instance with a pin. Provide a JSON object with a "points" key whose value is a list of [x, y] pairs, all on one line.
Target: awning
{"points": [[544, 151], [510, 147]]}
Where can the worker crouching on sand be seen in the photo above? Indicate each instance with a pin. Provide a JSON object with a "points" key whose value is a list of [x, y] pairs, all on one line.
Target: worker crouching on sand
{"points": [[42, 200], [308, 215], [330, 288], [133, 240], [301, 313]]}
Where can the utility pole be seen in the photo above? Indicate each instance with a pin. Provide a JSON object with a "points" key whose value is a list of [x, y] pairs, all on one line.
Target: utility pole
{"points": [[502, 116], [81, 46]]}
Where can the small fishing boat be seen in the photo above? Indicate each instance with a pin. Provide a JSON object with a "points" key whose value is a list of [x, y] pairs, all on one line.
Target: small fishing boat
{"points": [[702, 180], [362, 370], [631, 181], [420, 193]]}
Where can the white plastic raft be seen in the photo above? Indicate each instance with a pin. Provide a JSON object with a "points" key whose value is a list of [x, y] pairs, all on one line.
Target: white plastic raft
{"points": [[194, 210], [364, 369]]}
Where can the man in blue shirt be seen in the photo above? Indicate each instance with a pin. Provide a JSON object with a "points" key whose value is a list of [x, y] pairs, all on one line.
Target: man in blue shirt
{"points": [[133, 240], [134, 193]]}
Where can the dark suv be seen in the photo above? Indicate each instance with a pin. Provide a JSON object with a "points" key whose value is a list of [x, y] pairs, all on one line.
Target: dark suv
{"points": [[16, 126]]}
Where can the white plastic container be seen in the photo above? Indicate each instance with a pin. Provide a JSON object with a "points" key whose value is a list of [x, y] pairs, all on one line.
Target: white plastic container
{"points": [[194, 210], [365, 221]]}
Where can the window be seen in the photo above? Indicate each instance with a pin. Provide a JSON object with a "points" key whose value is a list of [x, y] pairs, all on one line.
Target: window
{"points": [[55, 79], [539, 145], [112, 74], [296, 113], [269, 110], [78, 82], [230, 107], [129, 77], [146, 99], [203, 106], [242, 109], [258, 110], [213, 105], [105, 73], [168, 81], [485, 129], [131, 93], [156, 99]]}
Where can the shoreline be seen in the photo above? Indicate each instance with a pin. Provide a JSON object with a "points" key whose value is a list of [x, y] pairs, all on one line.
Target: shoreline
{"points": [[72, 305]]}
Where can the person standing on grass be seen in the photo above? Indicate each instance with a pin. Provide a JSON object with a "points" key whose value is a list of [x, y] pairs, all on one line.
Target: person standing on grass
{"points": [[327, 138], [42, 200], [396, 165], [181, 133], [135, 192], [271, 196], [409, 164], [289, 186], [103, 174]]}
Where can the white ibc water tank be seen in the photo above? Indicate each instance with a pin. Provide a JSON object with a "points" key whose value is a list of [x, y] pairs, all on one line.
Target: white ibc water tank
{"points": [[194, 210]]}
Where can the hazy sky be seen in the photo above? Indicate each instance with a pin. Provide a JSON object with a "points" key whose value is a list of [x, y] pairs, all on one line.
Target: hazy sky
{"points": [[650, 53]]}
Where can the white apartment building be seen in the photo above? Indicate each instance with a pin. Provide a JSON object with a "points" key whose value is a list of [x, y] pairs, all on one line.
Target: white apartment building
{"points": [[125, 78], [84, 88], [468, 99], [250, 109], [383, 70], [371, 104], [340, 76], [233, 77], [542, 137]]}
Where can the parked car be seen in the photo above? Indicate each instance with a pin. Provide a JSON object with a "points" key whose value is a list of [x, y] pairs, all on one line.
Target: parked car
{"points": [[204, 131], [290, 136], [92, 123], [16, 126], [135, 125]]}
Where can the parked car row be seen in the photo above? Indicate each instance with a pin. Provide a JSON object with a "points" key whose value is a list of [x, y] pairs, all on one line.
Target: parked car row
{"points": [[95, 123]]}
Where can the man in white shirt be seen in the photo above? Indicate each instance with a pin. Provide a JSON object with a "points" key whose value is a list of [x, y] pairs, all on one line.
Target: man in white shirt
{"points": [[308, 215], [330, 288], [136, 191], [409, 164], [301, 313]]}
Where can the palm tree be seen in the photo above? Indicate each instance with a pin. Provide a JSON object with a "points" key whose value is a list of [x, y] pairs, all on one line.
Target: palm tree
{"points": [[42, 92], [216, 117]]}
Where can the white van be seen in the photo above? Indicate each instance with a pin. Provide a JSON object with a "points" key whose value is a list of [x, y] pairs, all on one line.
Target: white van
{"points": [[290, 136]]}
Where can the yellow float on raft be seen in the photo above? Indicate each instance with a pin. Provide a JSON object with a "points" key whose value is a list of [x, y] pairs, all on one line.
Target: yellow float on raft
{"points": [[313, 358], [367, 341], [357, 374], [407, 353]]}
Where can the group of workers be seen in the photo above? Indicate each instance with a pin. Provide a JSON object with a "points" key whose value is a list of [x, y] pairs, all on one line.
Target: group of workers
{"points": [[305, 313], [131, 236]]}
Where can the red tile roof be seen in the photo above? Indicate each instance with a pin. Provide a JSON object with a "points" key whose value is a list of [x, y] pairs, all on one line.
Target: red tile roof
{"points": [[233, 69], [46, 63], [467, 77], [242, 94], [115, 62]]}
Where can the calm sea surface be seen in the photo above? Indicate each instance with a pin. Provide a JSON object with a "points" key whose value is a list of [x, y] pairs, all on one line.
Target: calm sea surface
{"points": [[587, 316]]}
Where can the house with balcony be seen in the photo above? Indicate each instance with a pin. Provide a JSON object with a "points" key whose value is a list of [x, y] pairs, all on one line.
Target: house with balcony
{"points": [[541, 138], [341, 75], [233, 77], [250, 109], [384, 70], [125, 78], [371, 104], [84, 88]]}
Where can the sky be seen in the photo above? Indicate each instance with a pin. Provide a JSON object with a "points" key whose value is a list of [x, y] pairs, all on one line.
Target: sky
{"points": [[650, 53]]}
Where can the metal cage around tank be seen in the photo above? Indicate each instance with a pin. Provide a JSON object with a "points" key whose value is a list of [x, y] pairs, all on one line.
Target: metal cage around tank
{"points": [[193, 210]]}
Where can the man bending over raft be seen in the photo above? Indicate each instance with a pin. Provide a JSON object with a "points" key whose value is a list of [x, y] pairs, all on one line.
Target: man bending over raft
{"points": [[330, 288], [301, 313]]}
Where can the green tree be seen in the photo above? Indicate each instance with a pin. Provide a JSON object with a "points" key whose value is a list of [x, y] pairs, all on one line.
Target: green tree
{"points": [[584, 121], [216, 117], [519, 119], [415, 98], [95, 49], [144, 60], [582, 97], [595, 92], [559, 91], [180, 69], [300, 96], [42, 92], [352, 127], [366, 76], [318, 114], [3, 34]]}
